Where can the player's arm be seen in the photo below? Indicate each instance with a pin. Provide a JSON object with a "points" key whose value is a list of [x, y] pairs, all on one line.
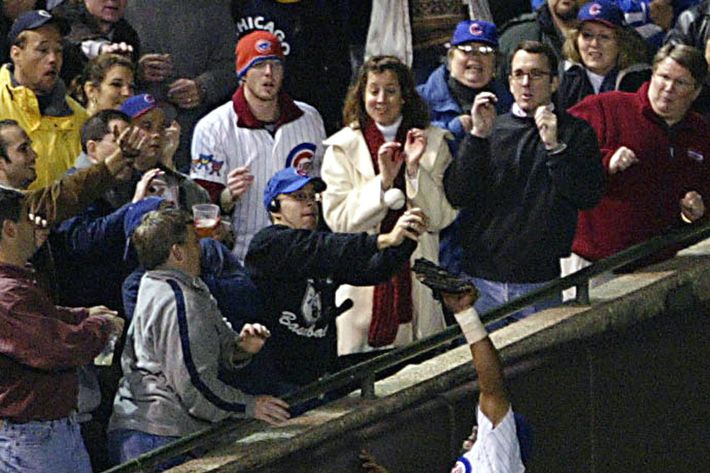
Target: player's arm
{"points": [[493, 398]]}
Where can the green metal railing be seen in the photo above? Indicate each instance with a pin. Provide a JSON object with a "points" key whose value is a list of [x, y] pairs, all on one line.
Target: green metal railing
{"points": [[364, 374]]}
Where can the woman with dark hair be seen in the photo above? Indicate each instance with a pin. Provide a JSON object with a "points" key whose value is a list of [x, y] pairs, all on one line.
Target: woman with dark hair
{"points": [[604, 53], [386, 157], [107, 81]]}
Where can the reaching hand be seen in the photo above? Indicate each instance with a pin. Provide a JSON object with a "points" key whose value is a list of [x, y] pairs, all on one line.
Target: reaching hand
{"points": [[410, 225], [692, 206], [460, 301], [252, 338], [622, 159], [271, 409], [414, 147], [143, 185], [546, 122], [483, 114], [170, 144], [389, 160]]}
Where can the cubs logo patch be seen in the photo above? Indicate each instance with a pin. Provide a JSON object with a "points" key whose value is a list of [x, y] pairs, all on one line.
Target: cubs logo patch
{"points": [[206, 163], [301, 158], [263, 46], [595, 9], [475, 29]]}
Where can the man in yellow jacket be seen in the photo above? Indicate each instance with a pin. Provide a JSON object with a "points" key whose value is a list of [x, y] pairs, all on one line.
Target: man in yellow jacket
{"points": [[32, 94]]}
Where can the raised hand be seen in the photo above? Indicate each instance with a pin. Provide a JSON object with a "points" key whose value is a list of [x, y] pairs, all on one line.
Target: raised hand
{"points": [[410, 225], [185, 93], [546, 123], [390, 161], [117, 48], [483, 114], [155, 67], [622, 159], [239, 180], [143, 185], [414, 146], [170, 144], [252, 338]]}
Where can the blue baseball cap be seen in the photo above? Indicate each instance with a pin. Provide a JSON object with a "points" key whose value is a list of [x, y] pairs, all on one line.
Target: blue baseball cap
{"points": [[33, 19], [602, 11], [475, 30], [138, 105], [289, 180]]}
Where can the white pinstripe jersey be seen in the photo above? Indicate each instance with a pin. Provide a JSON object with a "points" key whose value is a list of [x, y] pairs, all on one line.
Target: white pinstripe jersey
{"points": [[496, 450], [219, 145]]}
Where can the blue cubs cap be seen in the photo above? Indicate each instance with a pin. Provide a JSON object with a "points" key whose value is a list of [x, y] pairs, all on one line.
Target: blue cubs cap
{"points": [[602, 11], [138, 105], [33, 19], [289, 180], [475, 30]]}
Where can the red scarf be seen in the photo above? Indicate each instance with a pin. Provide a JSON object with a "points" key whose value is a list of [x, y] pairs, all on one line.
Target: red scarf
{"points": [[392, 300]]}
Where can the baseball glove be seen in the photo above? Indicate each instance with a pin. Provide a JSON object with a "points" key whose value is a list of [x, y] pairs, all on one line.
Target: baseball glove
{"points": [[438, 279]]}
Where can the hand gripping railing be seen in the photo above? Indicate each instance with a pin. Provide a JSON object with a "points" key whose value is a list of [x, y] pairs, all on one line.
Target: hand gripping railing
{"points": [[365, 373]]}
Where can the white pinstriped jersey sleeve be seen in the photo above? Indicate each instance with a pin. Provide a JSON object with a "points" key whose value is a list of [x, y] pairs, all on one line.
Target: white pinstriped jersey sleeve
{"points": [[496, 450]]}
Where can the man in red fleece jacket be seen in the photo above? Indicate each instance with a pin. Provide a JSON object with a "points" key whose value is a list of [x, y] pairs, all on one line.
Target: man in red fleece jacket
{"points": [[654, 150]]}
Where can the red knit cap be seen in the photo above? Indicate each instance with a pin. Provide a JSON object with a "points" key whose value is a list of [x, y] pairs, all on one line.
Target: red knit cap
{"points": [[256, 47]]}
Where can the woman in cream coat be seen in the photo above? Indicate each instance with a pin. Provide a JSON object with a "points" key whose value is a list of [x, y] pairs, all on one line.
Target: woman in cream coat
{"points": [[388, 145]]}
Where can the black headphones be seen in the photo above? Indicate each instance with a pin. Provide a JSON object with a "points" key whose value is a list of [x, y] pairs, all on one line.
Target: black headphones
{"points": [[274, 205]]}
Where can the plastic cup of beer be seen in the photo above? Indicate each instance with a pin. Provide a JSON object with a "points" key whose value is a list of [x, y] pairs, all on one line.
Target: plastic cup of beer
{"points": [[206, 217]]}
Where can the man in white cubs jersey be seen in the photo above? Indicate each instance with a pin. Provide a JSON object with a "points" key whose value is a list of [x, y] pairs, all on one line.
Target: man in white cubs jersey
{"points": [[241, 144], [502, 440]]}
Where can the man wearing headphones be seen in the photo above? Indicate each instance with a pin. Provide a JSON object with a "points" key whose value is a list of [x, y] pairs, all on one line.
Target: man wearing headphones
{"points": [[298, 269]]}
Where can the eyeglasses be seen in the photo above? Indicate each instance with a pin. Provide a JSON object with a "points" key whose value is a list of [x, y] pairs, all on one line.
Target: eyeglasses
{"points": [[534, 75], [601, 38], [682, 84], [303, 196], [475, 50]]}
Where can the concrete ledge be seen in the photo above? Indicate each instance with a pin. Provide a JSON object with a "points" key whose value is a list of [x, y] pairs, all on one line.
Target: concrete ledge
{"points": [[617, 305]]}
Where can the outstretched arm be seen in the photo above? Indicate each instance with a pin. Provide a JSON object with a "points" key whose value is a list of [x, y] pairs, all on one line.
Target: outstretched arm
{"points": [[493, 398]]}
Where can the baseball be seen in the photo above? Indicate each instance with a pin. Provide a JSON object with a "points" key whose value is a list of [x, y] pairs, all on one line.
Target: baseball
{"points": [[395, 199]]}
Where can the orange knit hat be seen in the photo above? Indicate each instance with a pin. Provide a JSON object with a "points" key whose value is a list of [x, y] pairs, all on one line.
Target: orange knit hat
{"points": [[256, 47]]}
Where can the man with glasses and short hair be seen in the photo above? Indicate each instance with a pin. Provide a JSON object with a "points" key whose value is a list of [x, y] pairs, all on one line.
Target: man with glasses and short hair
{"points": [[653, 151], [523, 176]]}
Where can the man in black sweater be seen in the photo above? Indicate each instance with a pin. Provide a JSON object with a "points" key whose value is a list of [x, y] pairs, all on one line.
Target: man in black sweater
{"points": [[298, 269], [524, 175]]}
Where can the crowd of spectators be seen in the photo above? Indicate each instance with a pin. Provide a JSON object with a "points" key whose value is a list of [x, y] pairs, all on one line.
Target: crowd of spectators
{"points": [[534, 149]]}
